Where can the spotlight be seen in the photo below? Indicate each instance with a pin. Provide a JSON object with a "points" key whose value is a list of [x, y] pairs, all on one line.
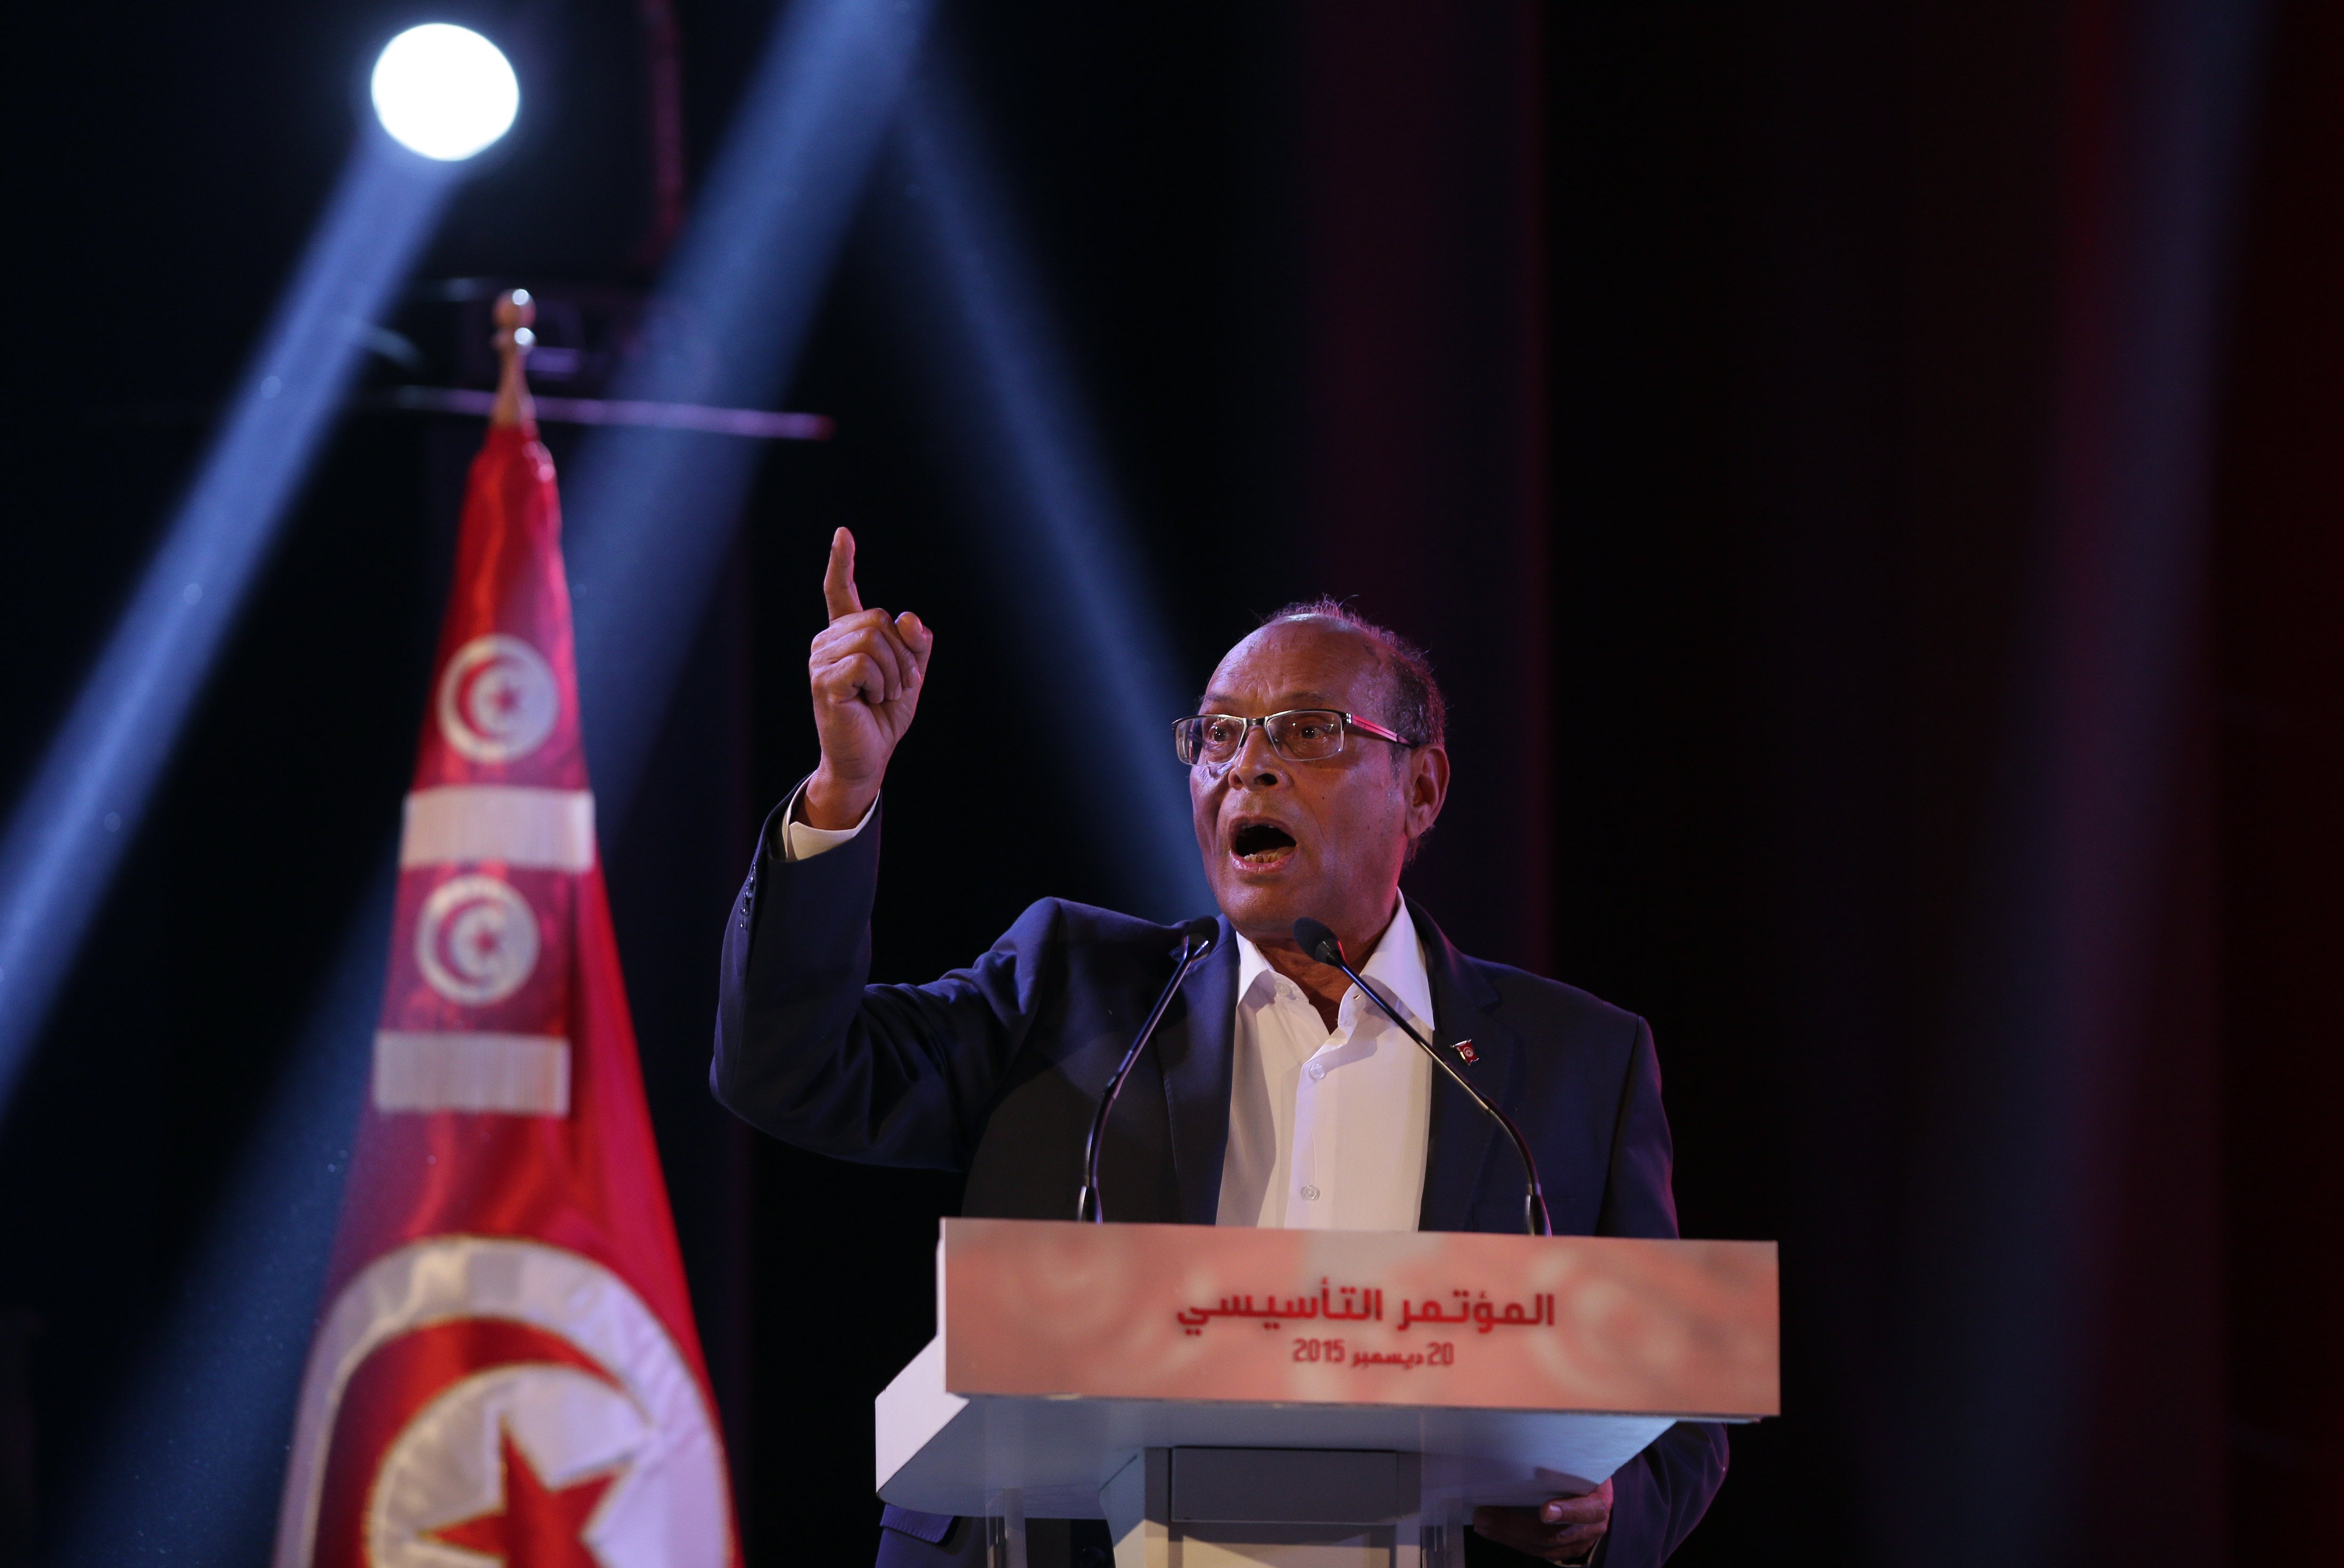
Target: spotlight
{"points": [[444, 91]]}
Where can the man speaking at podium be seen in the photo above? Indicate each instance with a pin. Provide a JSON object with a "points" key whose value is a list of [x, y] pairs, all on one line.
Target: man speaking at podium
{"points": [[1315, 767]]}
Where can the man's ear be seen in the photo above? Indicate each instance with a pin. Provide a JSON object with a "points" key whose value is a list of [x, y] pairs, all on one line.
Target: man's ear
{"points": [[1428, 786]]}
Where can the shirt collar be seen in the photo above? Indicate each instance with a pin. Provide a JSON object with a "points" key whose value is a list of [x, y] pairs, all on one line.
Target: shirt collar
{"points": [[1396, 968]]}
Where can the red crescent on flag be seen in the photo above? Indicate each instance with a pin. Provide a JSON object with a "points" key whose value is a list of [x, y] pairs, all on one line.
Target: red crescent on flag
{"points": [[392, 1387]]}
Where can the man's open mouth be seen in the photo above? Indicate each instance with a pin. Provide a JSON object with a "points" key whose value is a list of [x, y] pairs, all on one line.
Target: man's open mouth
{"points": [[1261, 844]]}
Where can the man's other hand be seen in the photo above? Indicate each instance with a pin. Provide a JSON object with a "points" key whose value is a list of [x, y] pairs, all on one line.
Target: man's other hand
{"points": [[1562, 1530], [866, 669]]}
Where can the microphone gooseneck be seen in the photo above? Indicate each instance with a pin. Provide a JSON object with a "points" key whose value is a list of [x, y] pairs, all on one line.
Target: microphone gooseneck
{"points": [[1197, 939], [1317, 939]]}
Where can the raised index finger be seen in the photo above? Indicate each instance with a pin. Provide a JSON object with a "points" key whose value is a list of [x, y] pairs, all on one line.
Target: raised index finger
{"points": [[838, 582]]}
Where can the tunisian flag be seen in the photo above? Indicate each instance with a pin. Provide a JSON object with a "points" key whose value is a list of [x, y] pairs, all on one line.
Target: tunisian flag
{"points": [[507, 1368]]}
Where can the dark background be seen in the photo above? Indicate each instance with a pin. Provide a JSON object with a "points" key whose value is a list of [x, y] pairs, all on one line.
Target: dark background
{"points": [[1868, 474]]}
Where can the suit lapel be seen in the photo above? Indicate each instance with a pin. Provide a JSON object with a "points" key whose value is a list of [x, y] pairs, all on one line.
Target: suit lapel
{"points": [[1194, 1051], [1463, 1140]]}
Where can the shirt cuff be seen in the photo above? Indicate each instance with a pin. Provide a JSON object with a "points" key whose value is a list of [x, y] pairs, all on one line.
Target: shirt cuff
{"points": [[798, 841]]}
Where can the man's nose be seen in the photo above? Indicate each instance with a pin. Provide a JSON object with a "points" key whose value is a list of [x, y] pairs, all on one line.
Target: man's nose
{"points": [[1256, 765]]}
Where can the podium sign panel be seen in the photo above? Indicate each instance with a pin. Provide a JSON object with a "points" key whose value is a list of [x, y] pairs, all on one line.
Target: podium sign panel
{"points": [[1350, 1317], [1077, 1364]]}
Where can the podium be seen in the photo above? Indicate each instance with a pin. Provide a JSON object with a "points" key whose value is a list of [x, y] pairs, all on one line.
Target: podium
{"points": [[1308, 1399]]}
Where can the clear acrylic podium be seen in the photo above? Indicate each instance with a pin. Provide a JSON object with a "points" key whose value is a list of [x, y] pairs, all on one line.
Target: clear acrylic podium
{"points": [[1308, 1399]]}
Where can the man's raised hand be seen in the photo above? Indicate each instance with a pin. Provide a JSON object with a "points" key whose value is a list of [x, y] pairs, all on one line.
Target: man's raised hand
{"points": [[866, 670]]}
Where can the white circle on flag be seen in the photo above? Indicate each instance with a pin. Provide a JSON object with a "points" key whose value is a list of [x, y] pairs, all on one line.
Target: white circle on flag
{"points": [[476, 939], [624, 1442], [498, 700], [450, 1471]]}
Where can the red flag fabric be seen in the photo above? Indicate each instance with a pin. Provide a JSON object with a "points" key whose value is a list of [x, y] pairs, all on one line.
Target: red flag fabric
{"points": [[506, 1367]]}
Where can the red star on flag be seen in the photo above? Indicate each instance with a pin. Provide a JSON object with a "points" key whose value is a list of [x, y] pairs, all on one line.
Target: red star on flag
{"points": [[539, 1526]]}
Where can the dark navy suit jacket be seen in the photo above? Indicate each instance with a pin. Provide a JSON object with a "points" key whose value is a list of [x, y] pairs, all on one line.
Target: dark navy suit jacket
{"points": [[994, 1070]]}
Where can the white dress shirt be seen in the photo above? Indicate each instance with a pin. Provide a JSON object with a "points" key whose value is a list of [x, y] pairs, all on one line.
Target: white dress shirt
{"points": [[801, 843], [1328, 1130]]}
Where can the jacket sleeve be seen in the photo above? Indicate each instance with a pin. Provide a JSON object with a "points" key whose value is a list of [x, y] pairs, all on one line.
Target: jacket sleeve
{"points": [[892, 1075], [1660, 1494]]}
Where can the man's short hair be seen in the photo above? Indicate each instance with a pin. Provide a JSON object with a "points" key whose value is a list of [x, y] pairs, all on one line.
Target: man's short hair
{"points": [[1418, 709]]}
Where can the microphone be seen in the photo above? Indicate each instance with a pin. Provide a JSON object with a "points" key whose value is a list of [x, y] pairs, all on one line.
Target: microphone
{"points": [[1320, 942], [1198, 937]]}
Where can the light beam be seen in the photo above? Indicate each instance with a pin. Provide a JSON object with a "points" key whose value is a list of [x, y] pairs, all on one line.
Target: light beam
{"points": [[1053, 522], [193, 1459], [650, 513], [197, 1451], [84, 801]]}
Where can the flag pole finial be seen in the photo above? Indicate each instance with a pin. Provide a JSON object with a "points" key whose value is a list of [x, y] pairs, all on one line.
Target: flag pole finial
{"points": [[514, 312]]}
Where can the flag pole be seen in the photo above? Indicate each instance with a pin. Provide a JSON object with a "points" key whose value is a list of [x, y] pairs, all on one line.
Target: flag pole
{"points": [[515, 311]]}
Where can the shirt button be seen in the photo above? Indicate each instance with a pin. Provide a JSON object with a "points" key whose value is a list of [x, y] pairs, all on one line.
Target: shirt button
{"points": [[1317, 1070], [1311, 1194]]}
